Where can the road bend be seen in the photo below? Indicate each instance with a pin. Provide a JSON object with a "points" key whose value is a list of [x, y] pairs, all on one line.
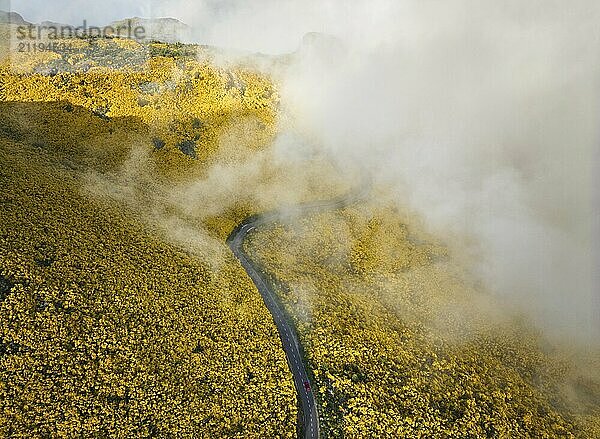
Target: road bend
{"points": [[287, 331]]}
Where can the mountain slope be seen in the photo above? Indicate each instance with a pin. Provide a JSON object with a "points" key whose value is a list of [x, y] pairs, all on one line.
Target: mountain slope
{"points": [[105, 329], [168, 30], [12, 18]]}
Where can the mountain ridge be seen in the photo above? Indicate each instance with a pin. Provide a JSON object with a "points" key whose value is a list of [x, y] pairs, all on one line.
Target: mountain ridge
{"points": [[11, 17]]}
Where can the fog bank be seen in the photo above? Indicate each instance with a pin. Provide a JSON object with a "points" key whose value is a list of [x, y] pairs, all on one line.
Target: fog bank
{"points": [[483, 117]]}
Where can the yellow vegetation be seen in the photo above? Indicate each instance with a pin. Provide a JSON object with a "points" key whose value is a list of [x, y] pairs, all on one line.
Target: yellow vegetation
{"points": [[187, 103], [105, 330], [401, 346]]}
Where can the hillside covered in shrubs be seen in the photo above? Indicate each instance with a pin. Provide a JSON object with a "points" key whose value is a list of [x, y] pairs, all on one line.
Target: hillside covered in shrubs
{"points": [[123, 168]]}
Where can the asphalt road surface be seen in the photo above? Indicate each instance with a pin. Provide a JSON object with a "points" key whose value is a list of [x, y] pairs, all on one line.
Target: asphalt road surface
{"points": [[287, 332]]}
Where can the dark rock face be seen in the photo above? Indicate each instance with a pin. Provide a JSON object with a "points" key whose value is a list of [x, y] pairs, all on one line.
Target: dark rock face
{"points": [[9, 347], [158, 143], [5, 287], [198, 349], [188, 147], [234, 82], [12, 18], [54, 67], [101, 112], [197, 123], [45, 255], [150, 88]]}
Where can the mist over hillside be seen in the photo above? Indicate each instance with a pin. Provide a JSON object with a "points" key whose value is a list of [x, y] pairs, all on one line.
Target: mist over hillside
{"points": [[482, 116], [302, 218], [169, 30]]}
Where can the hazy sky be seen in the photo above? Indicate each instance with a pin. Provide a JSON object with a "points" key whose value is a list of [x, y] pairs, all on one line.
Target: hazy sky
{"points": [[268, 26], [74, 12], [271, 26]]}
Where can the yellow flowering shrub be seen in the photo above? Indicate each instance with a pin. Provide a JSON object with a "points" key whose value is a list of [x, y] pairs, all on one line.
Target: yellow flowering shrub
{"points": [[108, 329], [187, 103], [401, 345], [105, 329]]}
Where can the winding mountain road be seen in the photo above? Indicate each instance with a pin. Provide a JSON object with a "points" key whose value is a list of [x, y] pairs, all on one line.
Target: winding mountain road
{"points": [[287, 331]]}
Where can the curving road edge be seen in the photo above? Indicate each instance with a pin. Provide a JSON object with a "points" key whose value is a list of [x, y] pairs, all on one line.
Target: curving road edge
{"points": [[285, 327]]}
